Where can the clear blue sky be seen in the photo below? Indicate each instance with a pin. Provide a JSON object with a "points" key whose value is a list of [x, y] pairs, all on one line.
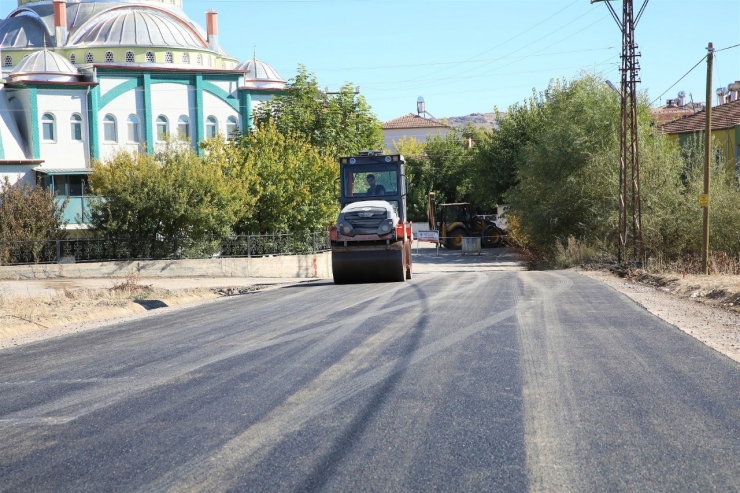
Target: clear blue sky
{"points": [[466, 56]]}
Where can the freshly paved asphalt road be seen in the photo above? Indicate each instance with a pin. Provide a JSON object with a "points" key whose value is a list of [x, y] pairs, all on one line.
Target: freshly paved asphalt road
{"points": [[474, 380]]}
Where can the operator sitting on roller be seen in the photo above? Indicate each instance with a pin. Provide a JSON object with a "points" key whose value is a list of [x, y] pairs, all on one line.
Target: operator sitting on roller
{"points": [[373, 188]]}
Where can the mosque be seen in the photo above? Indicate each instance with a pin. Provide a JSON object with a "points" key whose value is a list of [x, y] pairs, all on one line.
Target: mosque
{"points": [[83, 79]]}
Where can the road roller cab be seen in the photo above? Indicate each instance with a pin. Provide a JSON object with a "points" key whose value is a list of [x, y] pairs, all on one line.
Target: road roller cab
{"points": [[371, 241]]}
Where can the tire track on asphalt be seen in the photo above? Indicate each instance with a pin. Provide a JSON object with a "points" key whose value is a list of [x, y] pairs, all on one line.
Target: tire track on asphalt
{"points": [[81, 402], [211, 472]]}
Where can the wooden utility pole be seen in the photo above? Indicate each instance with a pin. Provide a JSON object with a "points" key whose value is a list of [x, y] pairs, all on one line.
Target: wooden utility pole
{"points": [[704, 200]]}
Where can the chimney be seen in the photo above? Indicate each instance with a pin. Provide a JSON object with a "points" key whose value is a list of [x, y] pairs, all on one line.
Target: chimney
{"points": [[60, 22], [212, 29]]}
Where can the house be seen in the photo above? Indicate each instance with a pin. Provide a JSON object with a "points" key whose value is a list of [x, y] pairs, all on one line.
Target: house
{"points": [[413, 126], [85, 79], [725, 130]]}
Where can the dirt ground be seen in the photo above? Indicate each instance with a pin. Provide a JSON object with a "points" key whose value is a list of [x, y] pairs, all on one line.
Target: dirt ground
{"points": [[706, 307]]}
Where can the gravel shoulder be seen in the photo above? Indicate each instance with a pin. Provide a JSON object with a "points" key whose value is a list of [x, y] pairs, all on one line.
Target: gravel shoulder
{"points": [[705, 307]]}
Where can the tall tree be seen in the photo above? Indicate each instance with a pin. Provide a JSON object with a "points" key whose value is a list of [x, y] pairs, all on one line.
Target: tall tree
{"points": [[30, 215], [337, 124], [171, 193], [293, 187]]}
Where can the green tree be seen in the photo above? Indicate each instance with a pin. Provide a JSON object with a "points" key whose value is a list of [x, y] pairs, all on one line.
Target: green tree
{"points": [[498, 153], [172, 193], [336, 124], [290, 181], [31, 215], [439, 165]]}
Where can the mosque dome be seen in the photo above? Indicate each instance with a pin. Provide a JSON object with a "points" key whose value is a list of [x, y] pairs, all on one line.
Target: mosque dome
{"points": [[259, 75], [23, 31], [44, 66], [131, 26]]}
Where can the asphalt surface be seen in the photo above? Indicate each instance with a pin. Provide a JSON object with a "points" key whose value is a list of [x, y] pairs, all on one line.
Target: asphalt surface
{"points": [[472, 380]]}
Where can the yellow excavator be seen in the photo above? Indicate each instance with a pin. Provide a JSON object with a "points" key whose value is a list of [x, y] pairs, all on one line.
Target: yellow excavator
{"points": [[458, 220]]}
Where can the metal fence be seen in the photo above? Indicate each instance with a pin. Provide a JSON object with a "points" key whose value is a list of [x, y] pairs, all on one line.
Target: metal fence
{"points": [[162, 248]]}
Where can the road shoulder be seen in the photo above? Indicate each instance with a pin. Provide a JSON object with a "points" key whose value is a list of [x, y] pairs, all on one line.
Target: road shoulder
{"points": [[716, 326]]}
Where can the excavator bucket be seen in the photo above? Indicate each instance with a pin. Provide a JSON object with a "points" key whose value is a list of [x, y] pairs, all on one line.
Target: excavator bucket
{"points": [[366, 266]]}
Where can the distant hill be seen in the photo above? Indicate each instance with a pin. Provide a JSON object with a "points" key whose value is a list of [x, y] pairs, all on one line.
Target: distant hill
{"points": [[482, 120]]}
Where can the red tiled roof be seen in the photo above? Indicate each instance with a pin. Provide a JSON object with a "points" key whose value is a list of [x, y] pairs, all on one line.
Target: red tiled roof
{"points": [[413, 121], [723, 116], [667, 114]]}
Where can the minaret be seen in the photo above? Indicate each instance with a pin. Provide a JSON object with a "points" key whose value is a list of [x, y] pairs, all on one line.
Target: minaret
{"points": [[212, 29], [60, 22]]}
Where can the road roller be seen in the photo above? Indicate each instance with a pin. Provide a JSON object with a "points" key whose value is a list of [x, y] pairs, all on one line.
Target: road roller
{"points": [[371, 240]]}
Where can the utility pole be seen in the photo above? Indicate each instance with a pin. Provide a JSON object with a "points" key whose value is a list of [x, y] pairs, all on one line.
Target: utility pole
{"points": [[630, 204], [704, 199]]}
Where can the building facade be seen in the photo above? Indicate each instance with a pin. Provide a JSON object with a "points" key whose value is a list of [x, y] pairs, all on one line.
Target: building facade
{"points": [[83, 80]]}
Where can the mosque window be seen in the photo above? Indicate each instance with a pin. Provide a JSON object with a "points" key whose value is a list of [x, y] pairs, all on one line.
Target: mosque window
{"points": [[208, 60], [8, 61], [72, 58], [149, 57], [223, 65], [162, 127], [199, 59], [183, 127], [211, 127], [185, 58], [129, 57], [132, 124], [76, 126], [47, 127], [108, 56], [89, 57], [231, 128], [110, 132], [168, 57]]}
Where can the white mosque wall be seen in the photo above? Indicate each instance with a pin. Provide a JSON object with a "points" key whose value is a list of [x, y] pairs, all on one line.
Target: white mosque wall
{"points": [[229, 86], [173, 101], [19, 104], [13, 145], [17, 173], [63, 151], [129, 103], [218, 108], [107, 83]]}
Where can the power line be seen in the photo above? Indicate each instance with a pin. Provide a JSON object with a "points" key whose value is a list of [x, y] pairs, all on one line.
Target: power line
{"points": [[679, 80]]}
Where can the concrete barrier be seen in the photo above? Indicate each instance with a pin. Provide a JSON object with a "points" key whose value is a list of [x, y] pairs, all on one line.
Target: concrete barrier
{"points": [[287, 266]]}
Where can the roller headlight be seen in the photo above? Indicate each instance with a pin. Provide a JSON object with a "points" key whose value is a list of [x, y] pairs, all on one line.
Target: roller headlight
{"points": [[385, 227], [345, 228]]}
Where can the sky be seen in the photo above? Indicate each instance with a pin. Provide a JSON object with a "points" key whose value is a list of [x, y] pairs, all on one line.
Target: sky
{"points": [[470, 56]]}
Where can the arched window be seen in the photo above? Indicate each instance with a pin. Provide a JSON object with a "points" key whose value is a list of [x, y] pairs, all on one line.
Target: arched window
{"points": [[211, 127], [208, 60], [8, 61], [47, 127], [199, 59], [162, 127], [231, 127], [149, 57], [185, 58], [72, 58], [183, 127], [132, 125], [110, 132], [168, 57], [108, 56], [130, 57], [89, 57], [75, 123]]}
